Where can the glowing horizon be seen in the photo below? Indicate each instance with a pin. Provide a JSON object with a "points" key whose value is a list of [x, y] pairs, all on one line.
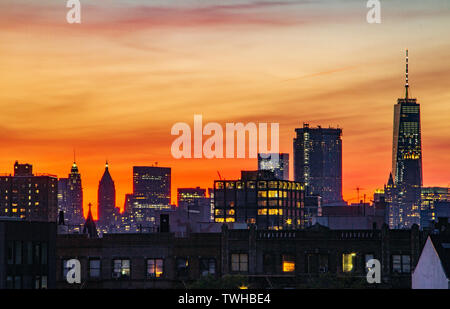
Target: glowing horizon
{"points": [[113, 86]]}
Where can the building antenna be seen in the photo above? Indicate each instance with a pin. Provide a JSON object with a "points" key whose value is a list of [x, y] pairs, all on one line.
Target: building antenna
{"points": [[407, 81], [74, 156]]}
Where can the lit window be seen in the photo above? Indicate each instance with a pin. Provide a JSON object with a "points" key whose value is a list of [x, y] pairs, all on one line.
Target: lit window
{"points": [[121, 269], [182, 267], [273, 193], [348, 262], [154, 268], [288, 263]]}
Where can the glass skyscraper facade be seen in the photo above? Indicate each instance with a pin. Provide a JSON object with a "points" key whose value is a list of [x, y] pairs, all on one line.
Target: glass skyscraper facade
{"points": [[151, 190], [318, 162], [406, 162], [261, 199]]}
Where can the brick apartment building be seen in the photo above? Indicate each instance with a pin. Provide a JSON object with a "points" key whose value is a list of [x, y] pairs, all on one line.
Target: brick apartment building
{"points": [[267, 258]]}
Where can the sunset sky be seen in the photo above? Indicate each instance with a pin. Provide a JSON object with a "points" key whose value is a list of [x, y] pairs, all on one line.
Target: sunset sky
{"points": [[113, 86]]}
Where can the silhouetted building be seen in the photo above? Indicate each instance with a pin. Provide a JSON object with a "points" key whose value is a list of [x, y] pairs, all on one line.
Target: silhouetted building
{"points": [[29, 196], [70, 198], [318, 162], [434, 201], [266, 258], [27, 254], [312, 209], [259, 198], [361, 216], [151, 190], [433, 268], [278, 163], [190, 197], [89, 225], [406, 162], [106, 200]]}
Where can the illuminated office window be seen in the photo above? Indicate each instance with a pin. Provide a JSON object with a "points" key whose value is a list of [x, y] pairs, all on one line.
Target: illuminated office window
{"points": [[348, 262], [288, 263]]}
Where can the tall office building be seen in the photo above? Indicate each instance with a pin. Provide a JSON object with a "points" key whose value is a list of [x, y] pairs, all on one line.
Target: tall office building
{"points": [[194, 202], [318, 162], [106, 199], [406, 161], [278, 163], [70, 197], [32, 197], [261, 199], [432, 199], [151, 190], [190, 196]]}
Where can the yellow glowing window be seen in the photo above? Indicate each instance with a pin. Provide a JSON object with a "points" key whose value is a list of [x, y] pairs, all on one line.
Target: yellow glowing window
{"points": [[231, 212], [273, 184], [348, 262], [275, 212], [230, 219], [219, 220], [288, 263], [154, 268], [14, 210], [262, 212], [273, 193], [262, 193]]}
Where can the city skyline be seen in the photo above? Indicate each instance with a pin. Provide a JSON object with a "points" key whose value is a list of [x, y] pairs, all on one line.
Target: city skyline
{"points": [[113, 87]]}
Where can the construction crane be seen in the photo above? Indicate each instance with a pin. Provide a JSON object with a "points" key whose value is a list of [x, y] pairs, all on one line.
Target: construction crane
{"points": [[220, 177], [357, 191]]}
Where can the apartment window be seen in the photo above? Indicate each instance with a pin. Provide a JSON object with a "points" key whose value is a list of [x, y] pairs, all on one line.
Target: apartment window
{"points": [[10, 253], [44, 253], [367, 258], [207, 267], [18, 253], [121, 268], [94, 268], [17, 282], [28, 252], [288, 263], [401, 264], [65, 269], [44, 282], [182, 267], [268, 263], [348, 262], [155, 268], [9, 282], [40, 282], [317, 263], [37, 253], [239, 262]]}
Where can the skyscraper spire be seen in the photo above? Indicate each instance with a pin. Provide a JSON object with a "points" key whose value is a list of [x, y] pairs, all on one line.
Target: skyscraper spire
{"points": [[407, 82]]}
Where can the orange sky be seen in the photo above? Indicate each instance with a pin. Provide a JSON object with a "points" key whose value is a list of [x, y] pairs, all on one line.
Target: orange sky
{"points": [[113, 86]]}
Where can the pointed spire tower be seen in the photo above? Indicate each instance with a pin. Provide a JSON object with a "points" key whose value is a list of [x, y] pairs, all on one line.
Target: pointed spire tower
{"points": [[106, 198], [89, 225], [406, 159], [407, 81]]}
